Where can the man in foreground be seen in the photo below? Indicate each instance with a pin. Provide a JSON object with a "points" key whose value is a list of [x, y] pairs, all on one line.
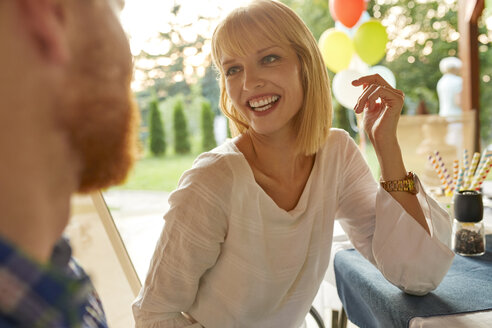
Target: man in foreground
{"points": [[67, 124]]}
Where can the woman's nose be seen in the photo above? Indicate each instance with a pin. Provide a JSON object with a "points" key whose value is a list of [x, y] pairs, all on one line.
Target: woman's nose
{"points": [[252, 79]]}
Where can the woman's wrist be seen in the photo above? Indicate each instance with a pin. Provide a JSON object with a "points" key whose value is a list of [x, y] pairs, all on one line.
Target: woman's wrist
{"points": [[390, 160]]}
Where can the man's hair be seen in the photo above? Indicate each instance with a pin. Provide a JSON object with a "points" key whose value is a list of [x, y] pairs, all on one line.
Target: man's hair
{"points": [[280, 25]]}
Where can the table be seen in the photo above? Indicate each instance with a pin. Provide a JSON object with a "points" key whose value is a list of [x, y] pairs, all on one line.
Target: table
{"points": [[371, 301]]}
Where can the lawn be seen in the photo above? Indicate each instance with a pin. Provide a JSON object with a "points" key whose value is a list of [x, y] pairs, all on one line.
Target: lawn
{"points": [[158, 173]]}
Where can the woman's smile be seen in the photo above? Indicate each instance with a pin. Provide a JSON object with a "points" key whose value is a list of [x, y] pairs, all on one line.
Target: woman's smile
{"points": [[262, 105]]}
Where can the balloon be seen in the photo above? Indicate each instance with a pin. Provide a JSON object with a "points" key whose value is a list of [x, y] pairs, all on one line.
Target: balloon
{"points": [[385, 73], [332, 9], [348, 12], [343, 90], [370, 41], [351, 31], [356, 64], [336, 48]]}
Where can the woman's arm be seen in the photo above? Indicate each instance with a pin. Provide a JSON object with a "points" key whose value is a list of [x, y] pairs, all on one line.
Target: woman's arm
{"points": [[382, 106], [386, 234], [189, 245]]}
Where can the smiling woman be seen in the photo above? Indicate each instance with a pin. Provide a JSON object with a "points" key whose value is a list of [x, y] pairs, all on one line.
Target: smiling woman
{"points": [[248, 234]]}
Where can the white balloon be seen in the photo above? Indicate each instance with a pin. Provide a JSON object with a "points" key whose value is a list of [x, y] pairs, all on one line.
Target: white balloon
{"points": [[343, 90], [385, 73], [357, 64]]}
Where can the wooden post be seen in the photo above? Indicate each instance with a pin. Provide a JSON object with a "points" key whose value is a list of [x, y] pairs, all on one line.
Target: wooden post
{"points": [[469, 11]]}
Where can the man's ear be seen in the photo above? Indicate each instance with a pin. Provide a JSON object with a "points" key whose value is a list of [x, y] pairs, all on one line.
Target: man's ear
{"points": [[45, 20]]}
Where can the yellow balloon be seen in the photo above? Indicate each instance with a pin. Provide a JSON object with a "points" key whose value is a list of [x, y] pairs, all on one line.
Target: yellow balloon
{"points": [[337, 49], [370, 41]]}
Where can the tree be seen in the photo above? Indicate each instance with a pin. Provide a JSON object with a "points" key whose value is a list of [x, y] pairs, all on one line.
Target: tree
{"points": [[156, 130], [208, 137], [181, 135]]}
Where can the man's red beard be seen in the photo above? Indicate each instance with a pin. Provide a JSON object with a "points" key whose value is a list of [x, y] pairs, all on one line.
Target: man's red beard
{"points": [[97, 108], [101, 120], [107, 142]]}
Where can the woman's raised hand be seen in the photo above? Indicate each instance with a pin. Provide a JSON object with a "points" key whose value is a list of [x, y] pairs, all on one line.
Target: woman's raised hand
{"points": [[382, 105]]}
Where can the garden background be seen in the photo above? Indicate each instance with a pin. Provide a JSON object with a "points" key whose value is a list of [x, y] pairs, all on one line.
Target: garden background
{"points": [[178, 89]]}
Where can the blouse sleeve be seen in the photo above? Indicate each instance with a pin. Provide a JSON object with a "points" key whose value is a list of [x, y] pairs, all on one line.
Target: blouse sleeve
{"points": [[384, 233], [190, 243]]}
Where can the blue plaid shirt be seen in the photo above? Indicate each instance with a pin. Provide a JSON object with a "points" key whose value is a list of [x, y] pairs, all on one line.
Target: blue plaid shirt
{"points": [[59, 294]]}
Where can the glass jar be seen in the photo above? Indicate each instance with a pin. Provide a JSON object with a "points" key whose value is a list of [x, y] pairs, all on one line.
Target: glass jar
{"points": [[468, 228]]}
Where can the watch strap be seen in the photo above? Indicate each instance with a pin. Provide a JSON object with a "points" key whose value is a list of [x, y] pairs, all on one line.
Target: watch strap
{"points": [[406, 184]]}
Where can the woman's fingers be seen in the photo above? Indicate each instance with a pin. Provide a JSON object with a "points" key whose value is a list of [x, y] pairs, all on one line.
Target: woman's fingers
{"points": [[376, 87], [371, 79], [363, 98], [374, 92]]}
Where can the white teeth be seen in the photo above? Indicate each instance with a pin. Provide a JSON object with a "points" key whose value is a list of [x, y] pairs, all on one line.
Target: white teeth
{"points": [[260, 105], [261, 109]]}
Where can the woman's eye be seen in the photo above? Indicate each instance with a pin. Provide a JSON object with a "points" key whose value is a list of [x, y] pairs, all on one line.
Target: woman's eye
{"points": [[231, 71], [270, 59]]}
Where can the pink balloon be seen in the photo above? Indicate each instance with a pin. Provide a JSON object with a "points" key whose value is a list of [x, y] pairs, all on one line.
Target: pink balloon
{"points": [[348, 12]]}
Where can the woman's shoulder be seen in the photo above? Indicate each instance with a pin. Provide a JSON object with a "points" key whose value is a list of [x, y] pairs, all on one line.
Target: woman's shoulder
{"points": [[216, 165], [218, 158], [338, 134], [211, 178], [338, 138]]}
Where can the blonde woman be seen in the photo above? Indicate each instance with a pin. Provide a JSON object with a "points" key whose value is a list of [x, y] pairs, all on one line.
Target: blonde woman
{"points": [[248, 235]]}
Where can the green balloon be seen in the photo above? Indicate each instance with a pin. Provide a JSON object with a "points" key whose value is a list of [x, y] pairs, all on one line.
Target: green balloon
{"points": [[336, 48], [370, 41]]}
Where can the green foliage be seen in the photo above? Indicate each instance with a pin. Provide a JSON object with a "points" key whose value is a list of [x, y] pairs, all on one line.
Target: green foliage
{"points": [[208, 137], [181, 135], [485, 88], [156, 130], [315, 13]]}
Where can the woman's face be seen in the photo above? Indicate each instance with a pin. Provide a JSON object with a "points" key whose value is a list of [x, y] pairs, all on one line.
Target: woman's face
{"points": [[265, 86]]}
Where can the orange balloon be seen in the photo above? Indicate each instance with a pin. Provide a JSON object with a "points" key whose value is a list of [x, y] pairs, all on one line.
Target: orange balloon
{"points": [[348, 12]]}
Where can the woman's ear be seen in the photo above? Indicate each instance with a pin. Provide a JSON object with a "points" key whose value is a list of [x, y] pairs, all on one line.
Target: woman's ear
{"points": [[45, 21]]}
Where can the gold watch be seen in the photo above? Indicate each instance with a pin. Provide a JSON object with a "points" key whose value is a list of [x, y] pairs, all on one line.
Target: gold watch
{"points": [[406, 184]]}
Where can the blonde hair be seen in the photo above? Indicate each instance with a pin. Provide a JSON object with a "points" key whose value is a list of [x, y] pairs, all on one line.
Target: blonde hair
{"points": [[280, 25]]}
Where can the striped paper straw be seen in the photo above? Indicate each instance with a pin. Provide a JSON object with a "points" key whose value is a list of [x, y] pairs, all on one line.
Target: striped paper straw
{"points": [[459, 183], [473, 167], [465, 167], [445, 172], [483, 174], [486, 154], [456, 166], [439, 172]]}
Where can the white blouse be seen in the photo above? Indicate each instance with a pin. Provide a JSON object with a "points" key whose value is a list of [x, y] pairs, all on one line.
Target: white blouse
{"points": [[230, 257]]}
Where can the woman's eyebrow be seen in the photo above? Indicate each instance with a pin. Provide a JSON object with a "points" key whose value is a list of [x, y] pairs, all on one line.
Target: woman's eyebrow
{"points": [[228, 61], [266, 49]]}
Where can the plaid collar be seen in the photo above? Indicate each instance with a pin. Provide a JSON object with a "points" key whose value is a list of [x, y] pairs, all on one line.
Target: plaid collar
{"points": [[59, 294]]}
